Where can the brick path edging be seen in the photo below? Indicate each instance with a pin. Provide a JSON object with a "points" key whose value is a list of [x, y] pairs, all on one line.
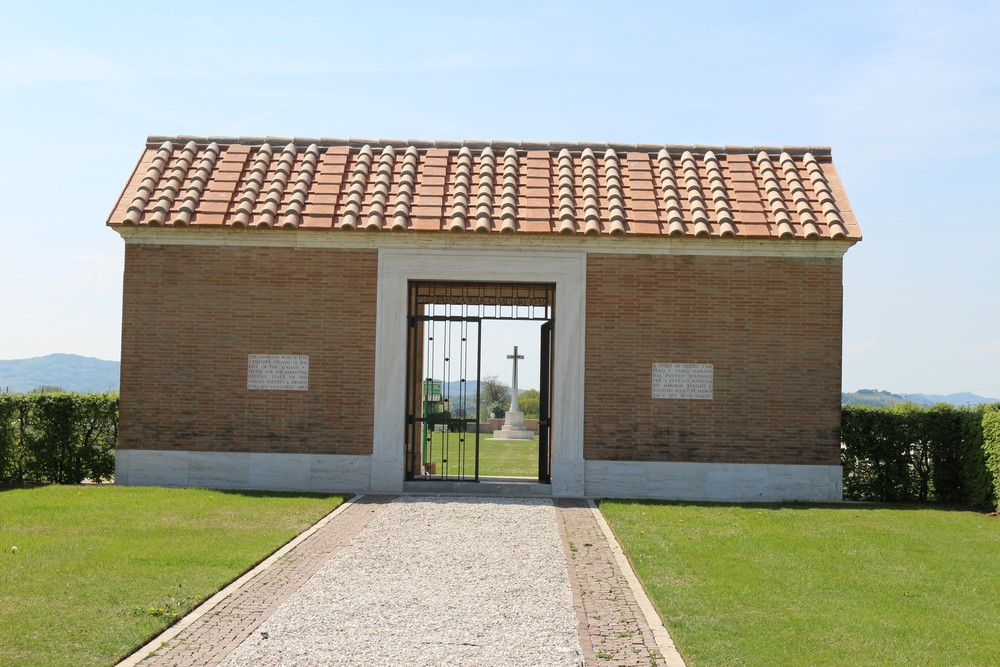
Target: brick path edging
{"points": [[668, 650], [211, 603], [616, 629]]}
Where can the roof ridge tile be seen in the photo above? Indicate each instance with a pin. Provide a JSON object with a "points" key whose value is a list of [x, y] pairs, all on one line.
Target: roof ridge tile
{"points": [[359, 183], [696, 196], [197, 186], [170, 191], [825, 195], [463, 186], [148, 185], [380, 195], [720, 195], [591, 203], [276, 190], [799, 197], [487, 186], [775, 196], [307, 171], [404, 192], [252, 186], [567, 198], [670, 194], [616, 193]]}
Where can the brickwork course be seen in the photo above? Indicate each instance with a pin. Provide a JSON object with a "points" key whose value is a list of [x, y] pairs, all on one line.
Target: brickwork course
{"points": [[771, 327], [191, 315], [613, 631]]}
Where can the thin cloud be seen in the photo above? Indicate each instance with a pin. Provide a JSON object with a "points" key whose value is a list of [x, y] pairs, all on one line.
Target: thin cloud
{"points": [[96, 272], [233, 129], [864, 348], [40, 63]]}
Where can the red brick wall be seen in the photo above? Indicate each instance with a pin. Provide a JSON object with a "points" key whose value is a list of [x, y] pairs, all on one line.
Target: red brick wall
{"points": [[192, 314], [770, 326]]}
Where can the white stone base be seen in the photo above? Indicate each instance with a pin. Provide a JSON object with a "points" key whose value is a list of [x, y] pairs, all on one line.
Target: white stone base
{"points": [[327, 473], [506, 434], [727, 482], [513, 428]]}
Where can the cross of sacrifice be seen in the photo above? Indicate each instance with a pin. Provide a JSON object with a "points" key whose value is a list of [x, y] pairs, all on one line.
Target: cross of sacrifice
{"points": [[513, 385]]}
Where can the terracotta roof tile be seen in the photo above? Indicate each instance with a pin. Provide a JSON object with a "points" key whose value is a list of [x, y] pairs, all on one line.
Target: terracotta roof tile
{"points": [[487, 187]]}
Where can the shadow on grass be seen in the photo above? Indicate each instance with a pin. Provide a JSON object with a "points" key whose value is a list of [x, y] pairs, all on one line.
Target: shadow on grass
{"points": [[14, 486], [282, 494], [847, 505], [247, 493]]}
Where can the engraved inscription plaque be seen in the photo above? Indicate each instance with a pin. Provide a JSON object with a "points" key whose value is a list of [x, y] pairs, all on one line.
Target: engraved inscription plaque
{"points": [[684, 381], [278, 372]]}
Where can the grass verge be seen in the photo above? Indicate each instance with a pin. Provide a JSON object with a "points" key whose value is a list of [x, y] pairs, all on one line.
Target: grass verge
{"points": [[100, 570], [818, 585]]}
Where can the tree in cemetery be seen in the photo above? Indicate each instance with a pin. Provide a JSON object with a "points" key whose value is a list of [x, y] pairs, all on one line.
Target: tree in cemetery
{"points": [[494, 397], [529, 401]]}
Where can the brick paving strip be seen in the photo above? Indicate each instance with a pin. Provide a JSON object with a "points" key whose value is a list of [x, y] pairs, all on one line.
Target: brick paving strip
{"points": [[618, 626], [208, 634]]}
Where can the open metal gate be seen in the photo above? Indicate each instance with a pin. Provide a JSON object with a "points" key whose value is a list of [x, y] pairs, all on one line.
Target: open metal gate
{"points": [[444, 357], [443, 405]]}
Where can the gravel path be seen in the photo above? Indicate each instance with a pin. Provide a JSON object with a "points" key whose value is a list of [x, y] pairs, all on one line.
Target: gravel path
{"points": [[433, 581]]}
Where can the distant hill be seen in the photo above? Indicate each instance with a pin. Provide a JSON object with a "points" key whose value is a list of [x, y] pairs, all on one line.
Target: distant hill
{"points": [[961, 398], [871, 397], [68, 371], [881, 398]]}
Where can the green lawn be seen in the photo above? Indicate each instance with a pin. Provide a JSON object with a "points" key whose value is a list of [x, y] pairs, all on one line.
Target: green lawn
{"points": [[818, 585], [100, 570], [497, 458]]}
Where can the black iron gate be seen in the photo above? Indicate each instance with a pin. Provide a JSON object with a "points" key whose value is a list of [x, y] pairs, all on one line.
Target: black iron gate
{"points": [[443, 406], [444, 356], [545, 405]]}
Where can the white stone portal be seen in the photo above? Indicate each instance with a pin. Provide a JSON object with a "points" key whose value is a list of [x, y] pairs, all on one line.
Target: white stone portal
{"points": [[513, 421], [431, 261]]}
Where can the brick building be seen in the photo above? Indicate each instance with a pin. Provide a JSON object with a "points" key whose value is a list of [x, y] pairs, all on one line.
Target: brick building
{"points": [[280, 297]]}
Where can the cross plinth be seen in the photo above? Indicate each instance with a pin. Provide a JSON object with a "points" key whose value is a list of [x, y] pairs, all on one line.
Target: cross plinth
{"points": [[513, 422]]}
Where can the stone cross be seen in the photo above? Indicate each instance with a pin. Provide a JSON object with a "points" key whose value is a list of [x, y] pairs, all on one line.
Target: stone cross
{"points": [[513, 385]]}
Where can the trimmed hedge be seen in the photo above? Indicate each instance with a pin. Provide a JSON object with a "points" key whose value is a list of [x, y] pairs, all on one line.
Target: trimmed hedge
{"points": [[991, 451], [906, 452], [62, 438]]}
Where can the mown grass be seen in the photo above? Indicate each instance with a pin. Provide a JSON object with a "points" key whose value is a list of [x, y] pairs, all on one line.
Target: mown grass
{"points": [[100, 570], [818, 585], [497, 458]]}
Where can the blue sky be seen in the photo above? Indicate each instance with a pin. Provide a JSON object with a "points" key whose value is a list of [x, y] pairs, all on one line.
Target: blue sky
{"points": [[906, 93]]}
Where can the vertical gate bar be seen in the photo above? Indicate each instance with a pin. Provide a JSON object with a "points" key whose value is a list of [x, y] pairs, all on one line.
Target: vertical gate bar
{"points": [[464, 372], [408, 436], [544, 418], [414, 350], [428, 366], [479, 366]]}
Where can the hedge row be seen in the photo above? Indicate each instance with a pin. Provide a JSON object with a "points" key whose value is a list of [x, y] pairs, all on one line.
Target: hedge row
{"points": [[62, 438], [889, 454], [906, 452]]}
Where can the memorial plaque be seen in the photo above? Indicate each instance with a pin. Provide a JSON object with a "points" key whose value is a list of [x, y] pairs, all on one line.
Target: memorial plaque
{"points": [[683, 381], [278, 372]]}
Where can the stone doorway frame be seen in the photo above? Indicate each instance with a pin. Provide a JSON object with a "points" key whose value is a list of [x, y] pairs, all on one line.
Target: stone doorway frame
{"points": [[396, 267], [436, 307]]}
